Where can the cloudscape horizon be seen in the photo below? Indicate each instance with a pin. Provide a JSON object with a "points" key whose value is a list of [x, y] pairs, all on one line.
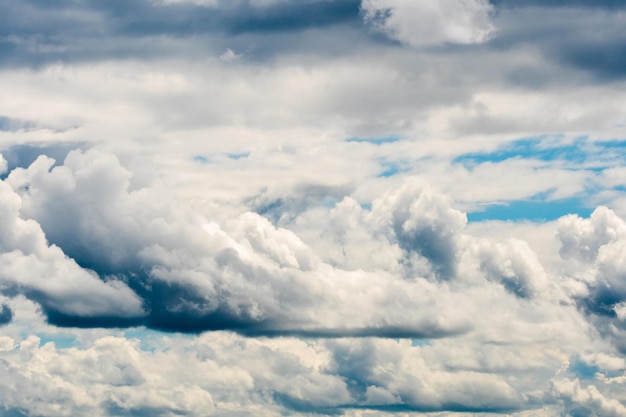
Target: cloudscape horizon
{"points": [[320, 207]]}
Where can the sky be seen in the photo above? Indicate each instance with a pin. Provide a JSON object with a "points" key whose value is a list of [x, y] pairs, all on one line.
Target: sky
{"points": [[353, 208]]}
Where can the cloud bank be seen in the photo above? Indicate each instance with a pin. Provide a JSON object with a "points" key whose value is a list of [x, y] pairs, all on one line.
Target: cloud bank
{"points": [[89, 250]]}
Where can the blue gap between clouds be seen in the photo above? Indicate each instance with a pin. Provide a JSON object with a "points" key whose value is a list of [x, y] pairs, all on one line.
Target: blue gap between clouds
{"points": [[149, 339], [597, 155], [586, 371], [60, 341], [538, 148], [390, 169], [550, 148], [234, 156], [374, 141], [531, 210]]}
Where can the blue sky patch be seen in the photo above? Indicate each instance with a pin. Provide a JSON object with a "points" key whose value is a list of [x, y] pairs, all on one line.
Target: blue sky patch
{"points": [[150, 339], [201, 159], [374, 141], [240, 155], [60, 341], [581, 151], [531, 210], [391, 168], [578, 154], [420, 342], [543, 148]]}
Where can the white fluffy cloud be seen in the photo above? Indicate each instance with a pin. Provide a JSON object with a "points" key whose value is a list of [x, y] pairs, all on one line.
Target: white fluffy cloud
{"points": [[226, 374], [404, 267], [427, 22], [30, 265], [586, 401]]}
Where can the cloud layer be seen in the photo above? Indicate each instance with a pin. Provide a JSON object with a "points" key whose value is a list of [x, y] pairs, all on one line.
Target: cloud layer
{"points": [[322, 207]]}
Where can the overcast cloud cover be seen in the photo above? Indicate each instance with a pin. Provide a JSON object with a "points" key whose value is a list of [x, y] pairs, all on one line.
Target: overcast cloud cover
{"points": [[319, 207]]}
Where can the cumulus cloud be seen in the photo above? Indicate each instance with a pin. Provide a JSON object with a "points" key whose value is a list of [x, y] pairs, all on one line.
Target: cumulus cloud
{"points": [[597, 245], [169, 266], [192, 273], [426, 23], [515, 265], [226, 374], [445, 320], [581, 239], [586, 401], [31, 266]]}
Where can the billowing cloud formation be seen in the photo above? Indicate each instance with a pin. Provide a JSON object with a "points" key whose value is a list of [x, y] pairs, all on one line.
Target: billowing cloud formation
{"points": [[425, 22], [225, 374], [93, 247], [192, 274], [165, 265], [597, 246], [231, 374], [31, 266]]}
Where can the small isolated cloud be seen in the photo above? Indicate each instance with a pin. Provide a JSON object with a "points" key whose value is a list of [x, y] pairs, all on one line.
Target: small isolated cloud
{"points": [[427, 23], [229, 55]]}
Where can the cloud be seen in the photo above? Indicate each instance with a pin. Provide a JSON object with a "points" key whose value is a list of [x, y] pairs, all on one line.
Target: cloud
{"points": [[227, 374], [3, 165], [45, 273], [170, 267], [581, 239], [570, 33], [597, 247], [401, 309], [6, 314], [194, 274], [425, 23], [586, 401]]}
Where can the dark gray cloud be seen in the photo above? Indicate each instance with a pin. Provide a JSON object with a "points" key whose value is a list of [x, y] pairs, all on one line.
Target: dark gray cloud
{"points": [[582, 36], [15, 412], [35, 33], [6, 314]]}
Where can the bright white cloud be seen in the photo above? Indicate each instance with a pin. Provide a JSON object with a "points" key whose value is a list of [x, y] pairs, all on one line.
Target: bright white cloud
{"points": [[427, 22]]}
